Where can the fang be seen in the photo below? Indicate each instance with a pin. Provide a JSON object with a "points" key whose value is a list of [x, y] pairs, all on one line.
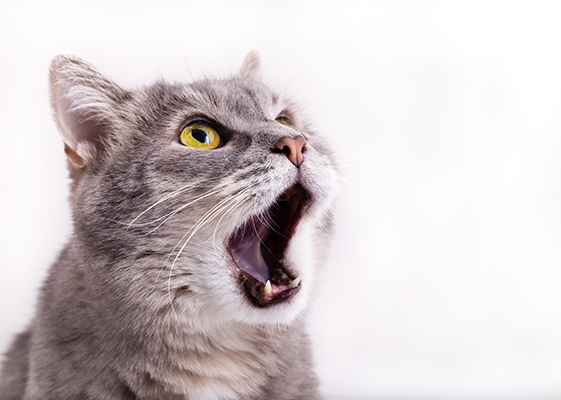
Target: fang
{"points": [[294, 283], [268, 289]]}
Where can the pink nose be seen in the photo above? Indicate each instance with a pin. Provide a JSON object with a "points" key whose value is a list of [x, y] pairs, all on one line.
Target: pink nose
{"points": [[293, 149]]}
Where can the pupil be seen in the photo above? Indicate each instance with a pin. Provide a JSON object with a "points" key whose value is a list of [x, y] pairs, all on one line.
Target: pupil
{"points": [[199, 134]]}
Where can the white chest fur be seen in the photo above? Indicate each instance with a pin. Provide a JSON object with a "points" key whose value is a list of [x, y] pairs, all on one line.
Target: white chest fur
{"points": [[228, 363]]}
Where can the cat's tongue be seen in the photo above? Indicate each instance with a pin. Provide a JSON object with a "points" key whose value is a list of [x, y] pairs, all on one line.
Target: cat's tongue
{"points": [[245, 247], [258, 249]]}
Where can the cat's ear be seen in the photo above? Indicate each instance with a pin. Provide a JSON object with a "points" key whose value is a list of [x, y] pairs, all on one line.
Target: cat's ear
{"points": [[84, 104], [251, 67]]}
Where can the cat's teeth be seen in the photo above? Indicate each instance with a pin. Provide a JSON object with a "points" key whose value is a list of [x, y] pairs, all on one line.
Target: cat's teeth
{"points": [[294, 283], [268, 289]]}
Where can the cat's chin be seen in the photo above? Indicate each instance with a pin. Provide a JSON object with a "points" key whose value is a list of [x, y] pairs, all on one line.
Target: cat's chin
{"points": [[258, 249]]}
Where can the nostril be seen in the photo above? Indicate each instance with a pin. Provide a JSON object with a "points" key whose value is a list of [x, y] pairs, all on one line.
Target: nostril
{"points": [[293, 149], [282, 150]]}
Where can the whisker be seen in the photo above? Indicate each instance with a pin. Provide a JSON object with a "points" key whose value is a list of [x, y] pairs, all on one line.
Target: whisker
{"points": [[266, 222], [170, 195], [346, 193], [181, 240], [259, 237], [171, 214], [207, 217], [193, 231], [236, 202], [345, 181], [176, 192]]}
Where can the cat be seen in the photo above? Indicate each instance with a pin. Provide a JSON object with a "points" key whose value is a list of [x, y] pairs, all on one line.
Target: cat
{"points": [[202, 214]]}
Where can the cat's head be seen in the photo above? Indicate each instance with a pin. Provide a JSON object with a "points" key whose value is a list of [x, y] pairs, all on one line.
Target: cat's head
{"points": [[211, 200]]}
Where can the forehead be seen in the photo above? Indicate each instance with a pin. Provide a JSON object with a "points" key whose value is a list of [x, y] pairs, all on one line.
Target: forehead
{"points": [[243, 105], [235, 100]]}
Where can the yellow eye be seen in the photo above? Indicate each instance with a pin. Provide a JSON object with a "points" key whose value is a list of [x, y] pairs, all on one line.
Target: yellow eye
{"points": [[286, 120], [200, 136]]}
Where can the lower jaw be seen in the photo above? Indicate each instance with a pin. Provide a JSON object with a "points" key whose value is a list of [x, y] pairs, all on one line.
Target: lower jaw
{"points": [[258, 250], [268, 294]]}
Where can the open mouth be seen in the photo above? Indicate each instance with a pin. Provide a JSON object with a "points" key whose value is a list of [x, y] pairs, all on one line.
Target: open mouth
{"points": [[258, 248]]}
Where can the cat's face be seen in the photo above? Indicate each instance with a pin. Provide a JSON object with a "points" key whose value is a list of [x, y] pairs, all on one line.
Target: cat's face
{"points": [[210, 200]]}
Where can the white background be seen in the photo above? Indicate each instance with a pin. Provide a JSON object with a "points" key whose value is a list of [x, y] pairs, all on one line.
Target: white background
{"points": [[445, 279]]}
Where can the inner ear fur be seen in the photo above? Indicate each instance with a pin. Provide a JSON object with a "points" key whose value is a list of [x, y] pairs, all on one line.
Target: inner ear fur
{"points": [[85, 104]]}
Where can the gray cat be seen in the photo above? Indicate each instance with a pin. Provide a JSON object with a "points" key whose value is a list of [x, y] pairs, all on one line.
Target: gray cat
{"points": [[201, 215]]}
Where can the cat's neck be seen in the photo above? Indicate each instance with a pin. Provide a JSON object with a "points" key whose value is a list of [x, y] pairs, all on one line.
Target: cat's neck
{"points": [[174, 351], [234, 360]]}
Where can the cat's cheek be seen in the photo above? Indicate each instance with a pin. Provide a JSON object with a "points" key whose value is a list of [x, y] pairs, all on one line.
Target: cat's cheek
{"points": [[323, 188]]}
